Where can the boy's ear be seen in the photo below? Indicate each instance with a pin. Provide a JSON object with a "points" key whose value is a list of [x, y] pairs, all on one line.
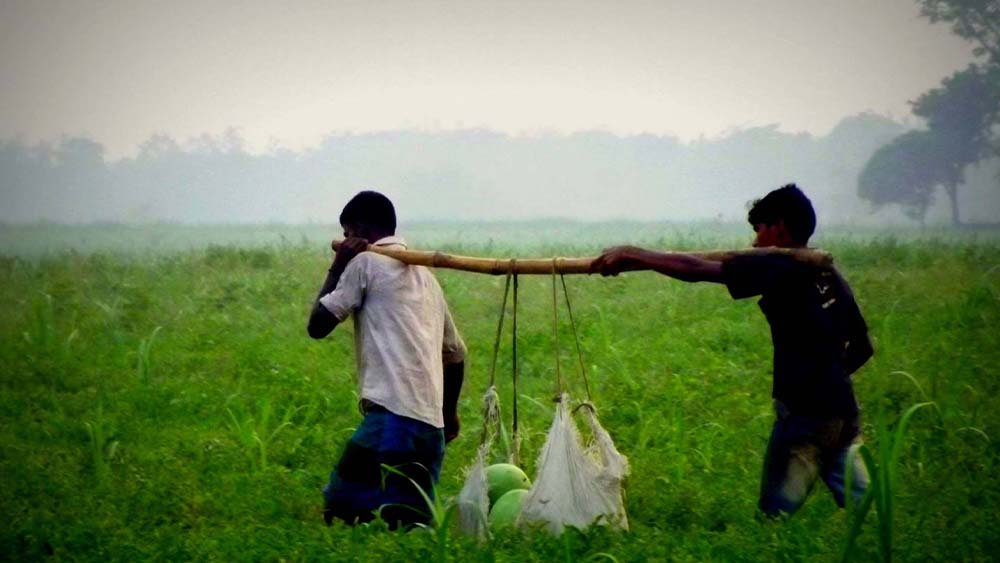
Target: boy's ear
{"points": [[783, 234], [362, 231], [780, 230]]}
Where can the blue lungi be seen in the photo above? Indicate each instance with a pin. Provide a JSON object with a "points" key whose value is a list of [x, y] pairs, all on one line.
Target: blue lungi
{"points": [[360, 487]]}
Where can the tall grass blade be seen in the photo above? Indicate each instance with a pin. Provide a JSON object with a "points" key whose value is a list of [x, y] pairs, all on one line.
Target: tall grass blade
{"points": [[101, 450], [900, 432], [144, 363], [884, 479]]}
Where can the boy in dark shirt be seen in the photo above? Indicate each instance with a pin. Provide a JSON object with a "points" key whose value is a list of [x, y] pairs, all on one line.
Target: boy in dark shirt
{"points": [[819, 336]]}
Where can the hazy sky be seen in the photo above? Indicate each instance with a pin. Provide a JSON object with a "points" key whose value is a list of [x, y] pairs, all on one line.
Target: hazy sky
{"points": [[286, 73]]}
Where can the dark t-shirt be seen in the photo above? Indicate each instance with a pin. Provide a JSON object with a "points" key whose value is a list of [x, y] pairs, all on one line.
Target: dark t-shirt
{"points": [[814, 322]]}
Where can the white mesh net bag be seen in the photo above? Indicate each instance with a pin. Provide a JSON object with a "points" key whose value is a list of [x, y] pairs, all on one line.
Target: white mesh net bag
{"points": [[473, 500], [577, 486]]}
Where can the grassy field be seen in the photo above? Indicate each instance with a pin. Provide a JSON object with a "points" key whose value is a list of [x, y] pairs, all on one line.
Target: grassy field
{"points": [[166, 403]]}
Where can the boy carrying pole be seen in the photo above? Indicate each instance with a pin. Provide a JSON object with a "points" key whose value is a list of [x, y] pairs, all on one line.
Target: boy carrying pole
{"points": [[410, 363], [819, 338]]}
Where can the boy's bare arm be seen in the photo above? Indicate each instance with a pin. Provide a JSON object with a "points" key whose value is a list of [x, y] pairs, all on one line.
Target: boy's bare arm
{"points": [[454, 376], [685, 267], [321, 320]]}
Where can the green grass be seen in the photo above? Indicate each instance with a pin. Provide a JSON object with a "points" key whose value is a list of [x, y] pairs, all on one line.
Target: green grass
{"points": [[169, 405], [884, 480]]}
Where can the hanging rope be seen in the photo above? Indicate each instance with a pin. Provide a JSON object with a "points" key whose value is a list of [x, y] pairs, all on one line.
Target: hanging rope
{"points": [[560, 384], [516, 449], [555, 332], [491, 408], [576, 338], [496, 342]]}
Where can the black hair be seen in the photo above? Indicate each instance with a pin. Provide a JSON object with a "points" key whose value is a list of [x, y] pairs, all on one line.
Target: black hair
{"points": [[787, 204], [371, 209]]}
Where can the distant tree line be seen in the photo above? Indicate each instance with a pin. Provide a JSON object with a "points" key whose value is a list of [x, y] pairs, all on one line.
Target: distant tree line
{"points": [[470, 175]]}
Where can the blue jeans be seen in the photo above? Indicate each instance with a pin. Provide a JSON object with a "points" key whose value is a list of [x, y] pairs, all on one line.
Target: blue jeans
{"points": [[360, 487], [802, 449]]}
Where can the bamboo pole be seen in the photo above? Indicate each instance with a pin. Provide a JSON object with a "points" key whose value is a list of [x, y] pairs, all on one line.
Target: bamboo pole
{"points": [[499, 266]]}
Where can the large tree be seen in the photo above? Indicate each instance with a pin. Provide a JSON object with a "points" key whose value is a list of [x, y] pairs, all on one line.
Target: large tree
{"points": [[962, 116], [905, 172]]}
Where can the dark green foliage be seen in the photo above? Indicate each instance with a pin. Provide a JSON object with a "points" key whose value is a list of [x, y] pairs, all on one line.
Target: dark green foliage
{"points": [[961, 117], [973, 20], [906, 172]]}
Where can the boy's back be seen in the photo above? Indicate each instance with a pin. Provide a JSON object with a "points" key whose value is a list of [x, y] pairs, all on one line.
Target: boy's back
{"points": [[816, 328], [402, 331]]}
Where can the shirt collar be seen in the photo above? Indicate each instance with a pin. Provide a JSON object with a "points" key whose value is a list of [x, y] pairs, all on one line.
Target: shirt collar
{"points": [[390, 241]]}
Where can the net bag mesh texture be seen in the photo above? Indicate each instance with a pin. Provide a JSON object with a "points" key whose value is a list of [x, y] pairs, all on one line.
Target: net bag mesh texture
{"points": [[574, 485], [577, 486], [473, 500]]}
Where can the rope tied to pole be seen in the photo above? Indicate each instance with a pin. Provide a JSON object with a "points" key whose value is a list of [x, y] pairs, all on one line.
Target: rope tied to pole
{"points": [[555, 332], [496, 342], [491, 408], [516, 448], [560, 381], [576, 339]]}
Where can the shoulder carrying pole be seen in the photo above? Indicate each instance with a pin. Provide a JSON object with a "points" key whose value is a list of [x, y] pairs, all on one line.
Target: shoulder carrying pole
{"points": [[503, 266]]}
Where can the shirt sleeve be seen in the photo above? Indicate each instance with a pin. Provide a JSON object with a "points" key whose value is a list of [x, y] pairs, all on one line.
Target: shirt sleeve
{"points": [[452, 346], [750, 275], [350, 291]]}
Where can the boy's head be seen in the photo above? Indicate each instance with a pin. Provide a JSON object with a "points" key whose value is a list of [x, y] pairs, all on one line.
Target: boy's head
{"points": [[369, 215], [784, 217]]}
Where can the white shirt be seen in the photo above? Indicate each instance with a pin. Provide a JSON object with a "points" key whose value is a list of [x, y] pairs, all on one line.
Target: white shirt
{"points": [[403, 332]]}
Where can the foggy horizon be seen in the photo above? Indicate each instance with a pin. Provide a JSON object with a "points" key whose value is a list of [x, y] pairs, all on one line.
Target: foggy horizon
{"points": [[462, 176], [477, 111]]}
